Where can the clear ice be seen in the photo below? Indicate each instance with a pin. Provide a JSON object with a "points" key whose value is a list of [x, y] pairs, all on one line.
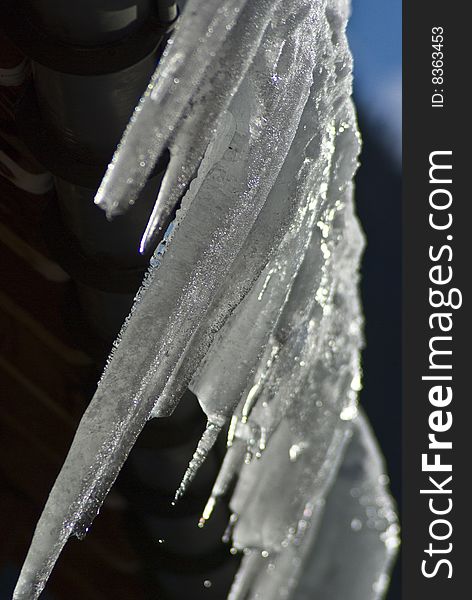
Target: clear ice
{"points": [[252, 303]]}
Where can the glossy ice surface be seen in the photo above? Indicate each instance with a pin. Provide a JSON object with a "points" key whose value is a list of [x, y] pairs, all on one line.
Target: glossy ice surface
{"points": [[253, 305]]}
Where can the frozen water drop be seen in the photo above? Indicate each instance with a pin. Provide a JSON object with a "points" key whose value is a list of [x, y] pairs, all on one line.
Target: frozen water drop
{"points": [[356, 524], [349, 412]]}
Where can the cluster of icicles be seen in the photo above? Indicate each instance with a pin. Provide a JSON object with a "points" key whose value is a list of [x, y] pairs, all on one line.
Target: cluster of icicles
{"points": [[251, 302]]}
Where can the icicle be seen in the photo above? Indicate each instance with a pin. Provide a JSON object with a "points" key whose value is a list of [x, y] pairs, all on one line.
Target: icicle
{"points": [[250, 566], [138, 370], [231, 430], [175, 184], [230, 467], [162, 210], [207, 511], [240, 26], [172, 86], [301, 329], [276, 217], [209, 437], [258, 497], [251, 399]]}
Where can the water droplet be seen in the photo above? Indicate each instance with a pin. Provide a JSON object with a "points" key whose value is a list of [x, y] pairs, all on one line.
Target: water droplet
{"points": [[207, 511], [295, 452], [356, 524], [349, 412]]}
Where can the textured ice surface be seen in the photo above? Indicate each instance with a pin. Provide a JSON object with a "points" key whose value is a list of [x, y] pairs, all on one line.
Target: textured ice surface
{"points": [[357, 538], [251, 301]]}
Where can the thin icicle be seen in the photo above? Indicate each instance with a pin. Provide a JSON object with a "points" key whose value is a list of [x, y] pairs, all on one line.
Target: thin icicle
{"points": [[208, 439], [231, 465]]}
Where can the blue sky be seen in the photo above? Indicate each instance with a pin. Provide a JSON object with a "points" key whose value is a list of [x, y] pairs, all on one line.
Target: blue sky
{"points": [[375, 37]]}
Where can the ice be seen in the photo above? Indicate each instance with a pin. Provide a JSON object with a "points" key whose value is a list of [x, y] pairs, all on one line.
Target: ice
{"points": [[208, 103], [232, 463], [233, 356], [250, 565], [203, 68], [204, 446], [307, 436], [358, 536], [329, 555], [251, 299]]}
